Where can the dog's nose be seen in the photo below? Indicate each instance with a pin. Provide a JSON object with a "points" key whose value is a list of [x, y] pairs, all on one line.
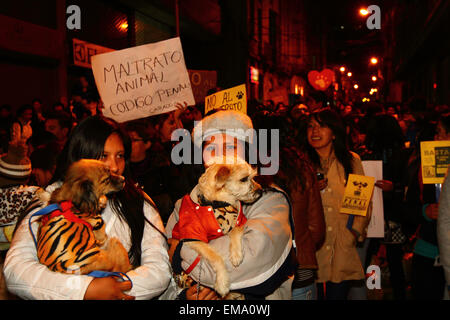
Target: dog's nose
{"points": [[118, 179]]}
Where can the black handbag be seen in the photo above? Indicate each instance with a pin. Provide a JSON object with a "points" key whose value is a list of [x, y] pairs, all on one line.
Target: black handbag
{"points": [[393, 233]]}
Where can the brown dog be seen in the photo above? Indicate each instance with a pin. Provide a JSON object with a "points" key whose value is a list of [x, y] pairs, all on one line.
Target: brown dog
{"points": [[224, 187], [75, 239]]}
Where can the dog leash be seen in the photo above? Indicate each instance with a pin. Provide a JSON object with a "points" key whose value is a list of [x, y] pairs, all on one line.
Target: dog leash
{"points": [[104, 274], [96, 273]]}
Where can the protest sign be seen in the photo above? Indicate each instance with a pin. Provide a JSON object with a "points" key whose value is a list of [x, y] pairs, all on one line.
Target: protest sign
{"points": [[142, 81], [201, 82], [230, 99], [357, 194], [376, 224], [435, 157]]}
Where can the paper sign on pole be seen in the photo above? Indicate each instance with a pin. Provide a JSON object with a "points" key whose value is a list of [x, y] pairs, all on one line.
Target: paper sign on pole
{"points": [[435, 156], [230, 99], [357, 194], [142, 81], [376, 225]]}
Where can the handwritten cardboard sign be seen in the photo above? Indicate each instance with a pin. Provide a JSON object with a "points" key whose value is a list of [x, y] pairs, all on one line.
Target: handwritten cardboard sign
{"points": [[142, 81], [234, 98], [357, 194], [435, 157]]}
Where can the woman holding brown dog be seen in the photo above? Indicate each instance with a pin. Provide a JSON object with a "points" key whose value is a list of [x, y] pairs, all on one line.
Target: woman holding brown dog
{"points": [[124, 216], [267, 264]]}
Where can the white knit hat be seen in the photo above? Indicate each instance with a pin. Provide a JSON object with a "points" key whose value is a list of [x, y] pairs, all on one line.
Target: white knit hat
{"points": [[15, 166], [233, 123]]}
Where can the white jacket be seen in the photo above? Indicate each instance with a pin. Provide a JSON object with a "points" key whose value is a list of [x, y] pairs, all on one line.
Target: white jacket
{"points": [[28, 279], [267, 244]]}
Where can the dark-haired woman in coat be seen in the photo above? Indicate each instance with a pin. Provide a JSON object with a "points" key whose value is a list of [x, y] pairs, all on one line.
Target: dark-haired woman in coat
{"points": [[338, 258]]}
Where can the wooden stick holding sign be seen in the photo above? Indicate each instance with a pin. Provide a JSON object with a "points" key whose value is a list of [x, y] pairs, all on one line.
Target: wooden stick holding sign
{"points": [[142, 81], [234, 98], [357, 194]]}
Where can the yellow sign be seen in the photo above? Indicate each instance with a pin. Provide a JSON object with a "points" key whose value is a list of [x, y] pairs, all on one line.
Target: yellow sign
{"points": [[230, 99], [435, 157], [357, 194]]}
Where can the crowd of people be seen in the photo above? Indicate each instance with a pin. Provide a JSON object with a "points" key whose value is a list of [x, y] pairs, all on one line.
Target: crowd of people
{"points": [[297, 243]]}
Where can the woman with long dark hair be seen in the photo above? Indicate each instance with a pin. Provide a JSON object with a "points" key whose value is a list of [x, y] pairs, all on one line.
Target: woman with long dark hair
{"points": [[338, 258], [126, 216], [297, 177]]}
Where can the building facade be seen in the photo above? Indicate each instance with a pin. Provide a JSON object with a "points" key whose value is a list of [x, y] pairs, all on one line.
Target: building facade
{"points": [[269, 45], [417, 60]]}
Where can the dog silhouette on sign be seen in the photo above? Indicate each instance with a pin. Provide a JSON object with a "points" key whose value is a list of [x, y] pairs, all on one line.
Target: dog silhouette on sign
{"points": [[360, 185]]}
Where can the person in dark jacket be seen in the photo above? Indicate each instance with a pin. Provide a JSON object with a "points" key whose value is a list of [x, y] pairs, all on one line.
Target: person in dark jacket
{"points": [[421, 208], [6, 120], [151, 164], [385, 141]]}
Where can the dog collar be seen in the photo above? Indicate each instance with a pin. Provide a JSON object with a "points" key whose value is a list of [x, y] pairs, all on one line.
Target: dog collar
{"points": [[67, 212], [215, 204]]}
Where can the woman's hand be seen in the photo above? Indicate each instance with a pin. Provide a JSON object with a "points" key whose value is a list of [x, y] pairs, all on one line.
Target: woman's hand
{"points": [[108, 289], [322, 184], [384, 185], [204, 294], [181, 108]]}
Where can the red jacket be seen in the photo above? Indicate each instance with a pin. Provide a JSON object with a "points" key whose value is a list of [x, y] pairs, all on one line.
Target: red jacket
{"points": [[199, 223]]}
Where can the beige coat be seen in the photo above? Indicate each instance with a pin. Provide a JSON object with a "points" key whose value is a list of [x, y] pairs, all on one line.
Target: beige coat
{"points": [[338, 259]]}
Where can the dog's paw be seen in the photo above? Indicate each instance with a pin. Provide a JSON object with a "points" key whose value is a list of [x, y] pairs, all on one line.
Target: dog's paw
{"points": [[102, 202], [222, 285], [101, 242], [236, 246], [43, 196], [236, 256], [119, 255], [124, 267]]}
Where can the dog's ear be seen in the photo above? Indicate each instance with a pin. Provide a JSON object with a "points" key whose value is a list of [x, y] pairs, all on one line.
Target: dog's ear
{"points": [[84, 197], [222, 175]]}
